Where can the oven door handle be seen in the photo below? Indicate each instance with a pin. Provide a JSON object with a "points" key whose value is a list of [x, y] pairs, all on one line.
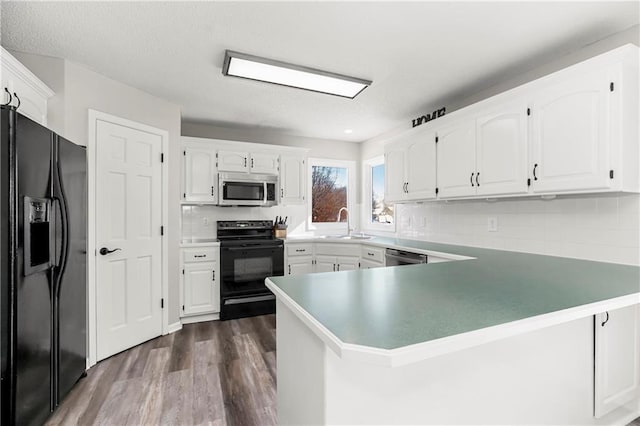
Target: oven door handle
{"points": [[251, 246]]}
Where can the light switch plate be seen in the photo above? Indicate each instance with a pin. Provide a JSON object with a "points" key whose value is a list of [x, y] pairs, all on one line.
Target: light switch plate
{"points": [[492, 224]]}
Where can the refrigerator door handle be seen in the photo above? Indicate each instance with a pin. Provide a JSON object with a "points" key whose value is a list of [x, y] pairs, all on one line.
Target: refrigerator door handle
{"points": [[53, 243]]}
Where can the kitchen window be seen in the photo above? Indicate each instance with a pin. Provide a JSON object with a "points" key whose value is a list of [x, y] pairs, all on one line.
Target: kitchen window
{"points": [[331, 185], [377, 213]]}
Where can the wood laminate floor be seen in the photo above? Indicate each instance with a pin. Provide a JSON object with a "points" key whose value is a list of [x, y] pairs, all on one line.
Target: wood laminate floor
{"points": [[214, 373]]}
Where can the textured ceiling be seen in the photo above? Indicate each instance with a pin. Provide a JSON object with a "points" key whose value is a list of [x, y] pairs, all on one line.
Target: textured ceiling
{"points": [[418, 54]]}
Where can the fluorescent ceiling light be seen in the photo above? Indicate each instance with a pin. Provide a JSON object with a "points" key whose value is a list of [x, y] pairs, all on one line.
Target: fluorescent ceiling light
{"points": [[255, 68]]}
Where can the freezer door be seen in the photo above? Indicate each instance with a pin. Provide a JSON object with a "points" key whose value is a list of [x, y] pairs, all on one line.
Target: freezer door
{"points": [[70, 195], [31, 364], [5, 256]]}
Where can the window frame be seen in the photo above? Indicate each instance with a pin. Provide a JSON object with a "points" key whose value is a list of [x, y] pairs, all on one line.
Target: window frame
{"points": [[367, 190], [351, 195]]}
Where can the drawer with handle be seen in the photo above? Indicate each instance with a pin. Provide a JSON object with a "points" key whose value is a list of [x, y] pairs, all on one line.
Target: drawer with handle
{"points": [[299, 249], [372, 253], [199, 254]]}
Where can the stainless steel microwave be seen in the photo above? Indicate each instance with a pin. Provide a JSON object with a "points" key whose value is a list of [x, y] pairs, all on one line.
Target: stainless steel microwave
{"points": [[244, 189]]}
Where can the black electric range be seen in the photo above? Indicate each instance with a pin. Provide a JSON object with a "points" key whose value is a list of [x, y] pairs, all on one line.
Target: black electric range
{"points": [[249, 253]]}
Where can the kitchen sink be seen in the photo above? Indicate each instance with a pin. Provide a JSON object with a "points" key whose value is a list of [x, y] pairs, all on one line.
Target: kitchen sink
{"points": [[346, 237]]}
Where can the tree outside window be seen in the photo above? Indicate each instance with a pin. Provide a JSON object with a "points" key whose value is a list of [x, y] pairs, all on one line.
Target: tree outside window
{"points": [[381, 212], [329, 193]]}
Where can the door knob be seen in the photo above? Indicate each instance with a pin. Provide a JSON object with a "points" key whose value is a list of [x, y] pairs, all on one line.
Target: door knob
{"points": [[105, 251]]}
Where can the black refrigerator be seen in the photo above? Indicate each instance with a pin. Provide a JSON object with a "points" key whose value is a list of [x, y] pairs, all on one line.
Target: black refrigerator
{"points": [[43, 189]]}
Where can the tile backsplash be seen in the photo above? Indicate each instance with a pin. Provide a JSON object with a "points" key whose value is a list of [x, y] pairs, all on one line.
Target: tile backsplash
{"points": [[199, 221], [604, 228]]}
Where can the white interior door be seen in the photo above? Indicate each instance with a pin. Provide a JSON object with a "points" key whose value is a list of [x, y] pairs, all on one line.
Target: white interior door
{"points": [[128, 220]]}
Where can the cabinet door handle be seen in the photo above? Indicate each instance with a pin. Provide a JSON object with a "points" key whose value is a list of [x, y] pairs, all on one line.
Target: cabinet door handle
{"points": [[471, 179], [199, 255], [338, 267], [245, 161], [407, 187], [212, 191], [477, 175], [370, 254], [300, 250], [282, 192], [607, 320], [334, 267], [534, 172], [252, 163], [214, 275], [289, 269]]}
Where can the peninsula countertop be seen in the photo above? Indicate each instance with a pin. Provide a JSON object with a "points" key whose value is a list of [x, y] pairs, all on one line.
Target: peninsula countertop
{"points": [[402, 314]]}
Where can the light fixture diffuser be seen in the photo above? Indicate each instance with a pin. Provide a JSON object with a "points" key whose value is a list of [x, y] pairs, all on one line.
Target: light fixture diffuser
{"points": [[261, 69]]}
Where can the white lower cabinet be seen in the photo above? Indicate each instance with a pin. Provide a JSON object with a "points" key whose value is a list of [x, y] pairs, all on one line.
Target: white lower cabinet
{"points": [[298, 265], [200, 281], [368, 264], [371, 257], [326, 263], [617, 359]]}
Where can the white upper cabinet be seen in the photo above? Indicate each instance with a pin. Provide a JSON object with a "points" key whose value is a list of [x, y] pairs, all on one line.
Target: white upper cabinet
{"points": [[394, 176], [264, 162], [293, 177], [200, 175], [484, 154], [233, 161], [239, 161], [501, 151], [410, 167], [617, 359], [457, 159], [32, 94], [571, 132], [421, 167]]}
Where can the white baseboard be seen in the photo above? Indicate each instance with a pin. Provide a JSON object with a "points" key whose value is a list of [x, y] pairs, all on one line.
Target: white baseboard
{"points": [[172, 328], [199, 318]]}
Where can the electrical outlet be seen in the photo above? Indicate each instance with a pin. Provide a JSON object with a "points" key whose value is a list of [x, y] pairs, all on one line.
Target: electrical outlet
{"points": [[492, 224]]}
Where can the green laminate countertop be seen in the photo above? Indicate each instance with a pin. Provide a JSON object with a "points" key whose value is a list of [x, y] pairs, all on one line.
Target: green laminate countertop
{"points": [[395, 307]]}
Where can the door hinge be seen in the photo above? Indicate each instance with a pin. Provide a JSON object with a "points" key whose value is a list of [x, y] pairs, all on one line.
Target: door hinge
{"points": [[610, 174], [162, 303], [528, 111], [162, 157], [162, 230], [529, 182], [611, 86]]}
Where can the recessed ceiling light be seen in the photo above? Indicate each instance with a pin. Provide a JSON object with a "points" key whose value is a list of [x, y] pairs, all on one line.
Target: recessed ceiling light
{"points": [[348, 131], [256, 68]]}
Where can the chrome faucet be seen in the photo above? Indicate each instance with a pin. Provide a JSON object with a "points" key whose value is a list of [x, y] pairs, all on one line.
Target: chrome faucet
{"points": [[348, 219]]}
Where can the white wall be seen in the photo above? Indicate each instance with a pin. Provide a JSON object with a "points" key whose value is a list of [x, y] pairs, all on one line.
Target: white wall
{"points": [[79, 89], [589, 227]]}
